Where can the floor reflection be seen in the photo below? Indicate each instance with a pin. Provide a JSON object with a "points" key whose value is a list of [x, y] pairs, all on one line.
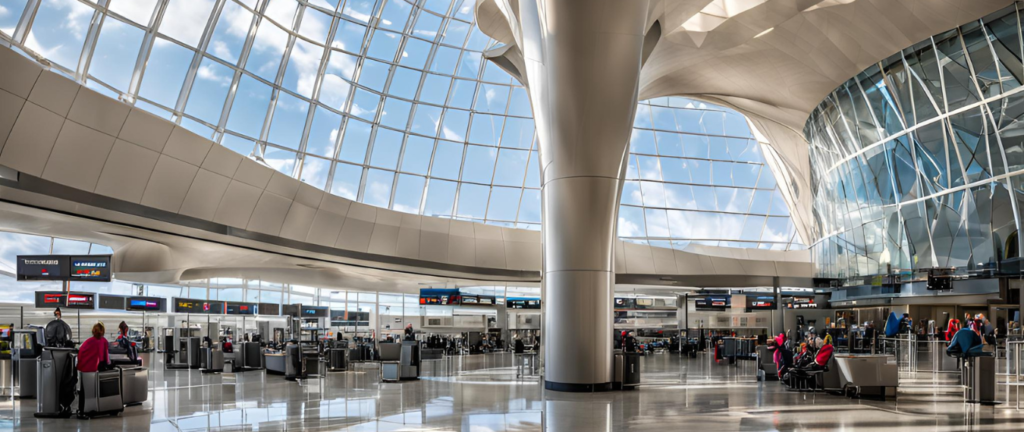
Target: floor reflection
{"points": [[482, 393]]}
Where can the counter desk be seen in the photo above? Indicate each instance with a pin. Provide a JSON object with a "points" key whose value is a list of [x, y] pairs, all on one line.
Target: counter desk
{"points": [[876, 373], [274, 363]]}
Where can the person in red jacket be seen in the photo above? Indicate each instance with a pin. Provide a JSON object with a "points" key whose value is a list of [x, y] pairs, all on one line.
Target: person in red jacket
{"points": [[94, 350], [954, 326]]}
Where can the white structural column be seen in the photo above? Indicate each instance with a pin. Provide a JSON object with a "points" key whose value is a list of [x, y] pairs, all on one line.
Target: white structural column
{"points": [[581, 61]]}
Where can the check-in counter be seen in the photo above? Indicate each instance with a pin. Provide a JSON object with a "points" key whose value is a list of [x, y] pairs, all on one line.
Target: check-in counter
{"points": [[274, 363], [6, 374], [871, 374]]}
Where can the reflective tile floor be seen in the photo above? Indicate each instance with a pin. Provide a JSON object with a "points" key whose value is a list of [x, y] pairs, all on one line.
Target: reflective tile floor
{"points": [[481, 393]]}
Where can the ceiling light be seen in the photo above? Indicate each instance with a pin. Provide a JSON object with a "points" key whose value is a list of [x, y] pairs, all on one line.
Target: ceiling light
{"points": [[764, 32]]}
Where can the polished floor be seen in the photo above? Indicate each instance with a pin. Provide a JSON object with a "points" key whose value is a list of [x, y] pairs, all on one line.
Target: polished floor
{"points": [[482, 393]]}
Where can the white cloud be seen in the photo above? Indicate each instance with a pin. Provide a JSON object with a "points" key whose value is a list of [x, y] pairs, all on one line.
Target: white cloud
{"points": [[358, 14], [334, 91], [139, 11], [628, 229], [47, 52], [207, 72], [185, 20], [220, 49], [305, 60]]}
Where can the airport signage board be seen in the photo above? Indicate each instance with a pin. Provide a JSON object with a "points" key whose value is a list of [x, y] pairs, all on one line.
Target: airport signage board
{"points": [[437, 296], [147, 304], [760, 302], [90, 268], [112, 302], [625, 303], [72, 300], [314, 312], [712, 303], [42, 267], [801, 303], [77, 300], [523, 303], [268, 309], [50, 299], [78, 268], [183, 305], [236, 308]]}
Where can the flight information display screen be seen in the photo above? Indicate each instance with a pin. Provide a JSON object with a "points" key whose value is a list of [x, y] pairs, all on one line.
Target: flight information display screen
{"points": [[713, 303], [149, 304], [198, 306], [91, 268], [42, 267], [234, 308], [760, 302], [315, 312], [81, 301], [50, 299]]}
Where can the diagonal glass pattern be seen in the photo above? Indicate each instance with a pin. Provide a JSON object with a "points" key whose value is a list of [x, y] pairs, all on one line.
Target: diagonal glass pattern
{"points": [[917, 161]]}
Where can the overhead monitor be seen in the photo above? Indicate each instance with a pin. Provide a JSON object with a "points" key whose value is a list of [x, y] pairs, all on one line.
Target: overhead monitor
{"points": [[801, 303], [90, 268], [268, 309], [42, 267], [111, 302], [439, 296], [147, 304], [50, 299], [236, 308], [523, 303], [81, 301], [713, 303], [314, 312], [760, 302], [183, 305]]}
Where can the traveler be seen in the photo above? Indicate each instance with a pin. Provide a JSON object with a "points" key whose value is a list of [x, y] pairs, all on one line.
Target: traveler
{"points": [[95, 351], [58, 332], [409, 333], [629, 344]]}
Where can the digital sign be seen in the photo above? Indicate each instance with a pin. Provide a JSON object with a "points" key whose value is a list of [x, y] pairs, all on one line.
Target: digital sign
{"points": [[235, 308], [470, 299], [42, 267], [315, 312], [760, 302], [438, 296], [713, 303], [198, 306], [801, 303], [112, 302], [148, 304], [50, 299], [523, 303], [81, 301], [91, 268], [625, 303]]}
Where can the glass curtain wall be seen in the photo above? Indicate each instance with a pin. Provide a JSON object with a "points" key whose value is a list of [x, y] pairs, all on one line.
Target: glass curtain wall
{"points": [[390, 103], [917, 160]]}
